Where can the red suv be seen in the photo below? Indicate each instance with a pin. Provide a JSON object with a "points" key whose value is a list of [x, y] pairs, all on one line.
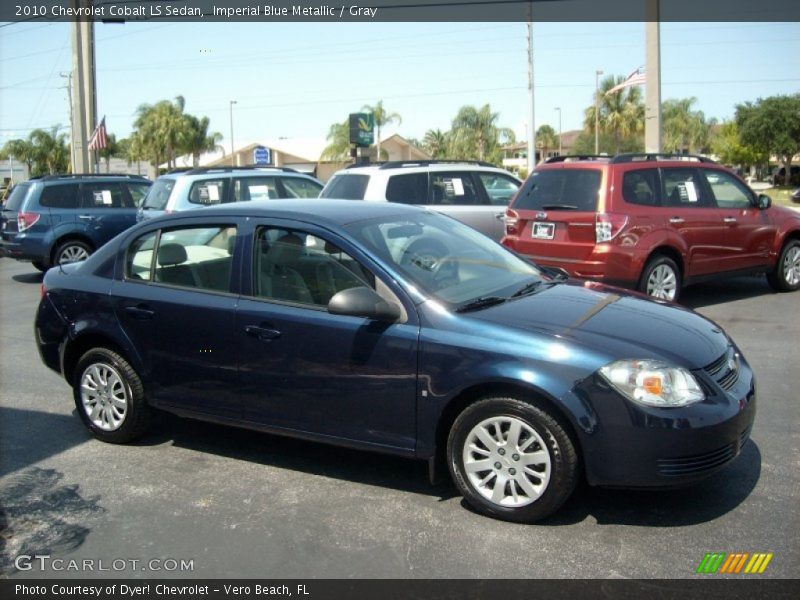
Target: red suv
{"points": [[651, 222]]}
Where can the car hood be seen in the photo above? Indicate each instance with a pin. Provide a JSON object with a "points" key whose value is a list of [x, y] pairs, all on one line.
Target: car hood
{"points": [[613, 322]]}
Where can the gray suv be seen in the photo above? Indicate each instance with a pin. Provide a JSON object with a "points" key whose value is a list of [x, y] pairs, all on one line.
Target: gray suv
{"points": [[476, 193], [201, 187]]}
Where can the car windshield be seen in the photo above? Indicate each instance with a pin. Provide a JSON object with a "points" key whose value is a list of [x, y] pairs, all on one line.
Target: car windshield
{"points": [[446, 259], [346, 187], [158, 195]]}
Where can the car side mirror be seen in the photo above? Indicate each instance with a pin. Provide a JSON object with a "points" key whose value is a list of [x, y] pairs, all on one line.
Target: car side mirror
{"points": [[764, 201], [363, 302]]}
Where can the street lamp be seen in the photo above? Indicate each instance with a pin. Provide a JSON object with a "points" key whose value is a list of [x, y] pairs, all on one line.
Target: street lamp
{"points": [[233, 158], [597, 110], [558, 108]]}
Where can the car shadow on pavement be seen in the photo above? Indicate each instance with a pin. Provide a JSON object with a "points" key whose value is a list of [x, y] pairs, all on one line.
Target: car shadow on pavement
{"points": [[29, 436], [358, 466], [28, 277], [705, 501], [725, 290]]}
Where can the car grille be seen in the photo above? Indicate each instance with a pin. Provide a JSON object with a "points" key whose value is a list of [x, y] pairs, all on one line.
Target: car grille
{"points": [[692, 465], [725, 370]]}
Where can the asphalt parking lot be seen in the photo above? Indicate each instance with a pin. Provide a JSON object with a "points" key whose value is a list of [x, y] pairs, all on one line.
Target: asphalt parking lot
{"points": [[243, 504]]}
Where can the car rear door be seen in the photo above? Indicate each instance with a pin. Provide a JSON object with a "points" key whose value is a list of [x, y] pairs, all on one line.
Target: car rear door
{"points": [[694, 219], [107, 209], [461, 195], [305, 370]]}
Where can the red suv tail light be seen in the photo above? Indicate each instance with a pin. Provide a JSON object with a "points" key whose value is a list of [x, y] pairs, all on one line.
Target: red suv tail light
{"points": [[26, 220], [608, 225], [512, 222]]}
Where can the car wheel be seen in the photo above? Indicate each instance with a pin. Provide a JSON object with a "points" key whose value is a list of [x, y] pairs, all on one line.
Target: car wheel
{"points": [[786, 275], [71, 251], [109, 397], [661, 279], [40, 266], [512, 460]]}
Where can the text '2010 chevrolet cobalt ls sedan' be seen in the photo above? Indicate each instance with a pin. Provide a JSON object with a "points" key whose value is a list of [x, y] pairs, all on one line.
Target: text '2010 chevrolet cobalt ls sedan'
{"points": [[395, 329]]}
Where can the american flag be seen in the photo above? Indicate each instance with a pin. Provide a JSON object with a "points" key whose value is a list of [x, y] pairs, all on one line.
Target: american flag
{"points": [[636, 78], [99, 139]]}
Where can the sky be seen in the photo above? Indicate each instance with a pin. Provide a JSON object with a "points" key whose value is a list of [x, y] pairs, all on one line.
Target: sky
{"points": [[296, 79]]}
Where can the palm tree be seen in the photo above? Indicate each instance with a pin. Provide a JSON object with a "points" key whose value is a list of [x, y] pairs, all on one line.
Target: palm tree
{"points": [[381, 117], [339, 147], [621, 114], [161, 128], [21, 150], [684, 128], [435, 142], [51, 153], [196, 139], [546, 138], [475, 134], [113, 149]]}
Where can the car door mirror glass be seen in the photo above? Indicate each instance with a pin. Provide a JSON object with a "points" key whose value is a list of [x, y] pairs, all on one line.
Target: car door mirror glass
{"points": [[363, 302], [764, 201]]}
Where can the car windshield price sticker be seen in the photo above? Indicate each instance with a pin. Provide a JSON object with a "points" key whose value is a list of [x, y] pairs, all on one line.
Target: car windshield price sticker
{"points": [[543, 231]]}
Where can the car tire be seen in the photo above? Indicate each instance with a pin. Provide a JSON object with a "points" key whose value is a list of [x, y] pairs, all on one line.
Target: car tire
{"points": [[40, 266], [785, 277], [71, 251], [517, 445], [661, 279], [109, 396]]}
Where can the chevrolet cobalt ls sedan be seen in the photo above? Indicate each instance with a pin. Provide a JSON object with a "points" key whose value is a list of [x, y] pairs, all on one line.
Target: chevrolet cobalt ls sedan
{"points": [[395, 329]]}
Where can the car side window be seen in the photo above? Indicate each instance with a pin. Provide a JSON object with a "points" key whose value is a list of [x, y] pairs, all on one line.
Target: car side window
{"points": [[684, 188], [640, 187], [728, 191], [254, 188], [191, 257], [409, 188], [499, 188], [209, 191], [300, 187], [139, 258], [297, 267], [106, 195], [60, 196], [454, 189]]}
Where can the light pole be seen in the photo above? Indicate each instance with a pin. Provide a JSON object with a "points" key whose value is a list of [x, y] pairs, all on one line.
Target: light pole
{"points": [[233, 158], [558, 108], [597, 110]]}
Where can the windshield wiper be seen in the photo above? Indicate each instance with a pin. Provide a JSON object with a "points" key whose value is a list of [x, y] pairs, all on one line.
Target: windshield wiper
{"points": [[527, 288], [481, 302], [559, 207]]}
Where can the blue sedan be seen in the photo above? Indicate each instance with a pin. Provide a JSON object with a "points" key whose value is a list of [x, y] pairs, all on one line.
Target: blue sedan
{"points": [[395, 329]]}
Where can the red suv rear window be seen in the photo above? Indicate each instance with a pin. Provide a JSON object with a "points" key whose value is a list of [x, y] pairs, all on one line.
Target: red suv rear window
{"points": [[560, 189]]}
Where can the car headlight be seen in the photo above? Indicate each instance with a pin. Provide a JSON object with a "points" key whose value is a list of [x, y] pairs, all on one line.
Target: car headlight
{"points": [[653, 383]]}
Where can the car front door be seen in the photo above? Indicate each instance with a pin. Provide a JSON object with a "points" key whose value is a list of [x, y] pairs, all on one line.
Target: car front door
{"points": [[176, 302], [305, 370], [458, 194], [749, 232]]}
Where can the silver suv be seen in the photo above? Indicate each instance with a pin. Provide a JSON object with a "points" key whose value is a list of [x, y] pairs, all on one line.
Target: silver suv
{"points": [[473, 192], [208, 186]]}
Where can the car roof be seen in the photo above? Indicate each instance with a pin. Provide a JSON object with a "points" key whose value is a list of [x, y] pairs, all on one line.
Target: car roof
{"points": [[213, 173], [393, 167], [318, 210]]}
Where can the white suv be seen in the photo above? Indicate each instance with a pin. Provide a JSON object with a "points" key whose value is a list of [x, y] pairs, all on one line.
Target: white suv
{"points": [[473, 192], [205, 186]]}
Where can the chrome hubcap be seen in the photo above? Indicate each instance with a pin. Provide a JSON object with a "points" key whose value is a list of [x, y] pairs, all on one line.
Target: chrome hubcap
{"points": [[662, 283], [791, 266], [72, 254], [104, 396], [506, 461]]}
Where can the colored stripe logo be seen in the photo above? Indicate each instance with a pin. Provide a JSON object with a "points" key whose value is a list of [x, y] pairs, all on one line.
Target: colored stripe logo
{"points": [[735, 563]]}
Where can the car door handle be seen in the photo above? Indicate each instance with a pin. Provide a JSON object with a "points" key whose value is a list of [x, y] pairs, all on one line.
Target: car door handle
{"points": [[500, 216], [729, 220], [140, 312], [86, 217], [262, 333], [676, 220]]}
